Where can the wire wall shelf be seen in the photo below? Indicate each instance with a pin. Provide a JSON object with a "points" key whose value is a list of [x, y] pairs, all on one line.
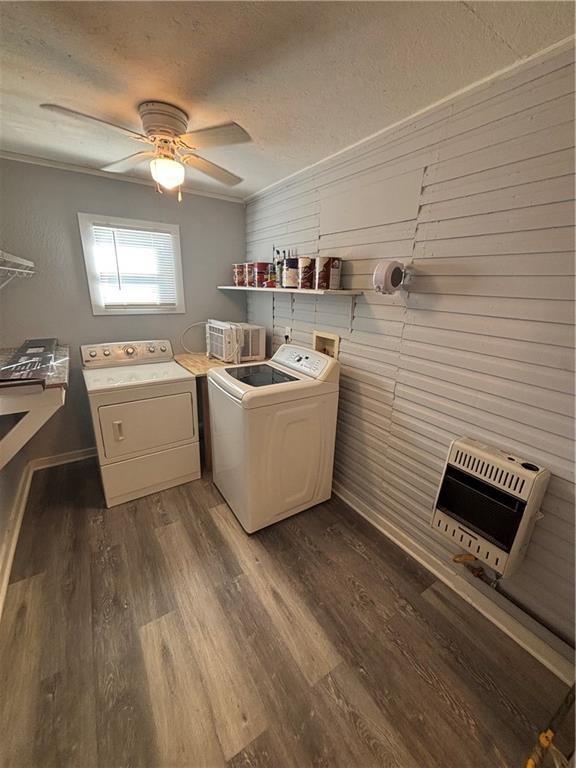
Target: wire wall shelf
{"points": [[12, 267]]}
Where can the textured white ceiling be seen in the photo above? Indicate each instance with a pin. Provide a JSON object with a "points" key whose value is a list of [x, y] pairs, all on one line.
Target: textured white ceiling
{"points": [[305, 79]]}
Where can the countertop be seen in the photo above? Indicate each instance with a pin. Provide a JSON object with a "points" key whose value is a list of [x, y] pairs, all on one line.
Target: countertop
{"points": [[58, 374], [198, 364]]}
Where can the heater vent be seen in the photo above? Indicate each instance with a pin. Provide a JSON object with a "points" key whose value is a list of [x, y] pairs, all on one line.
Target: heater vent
{"points": [[466, 539], [487, 470]]}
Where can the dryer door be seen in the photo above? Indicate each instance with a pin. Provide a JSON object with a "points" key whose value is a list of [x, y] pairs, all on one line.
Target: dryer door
{"points": [[144, 425]]}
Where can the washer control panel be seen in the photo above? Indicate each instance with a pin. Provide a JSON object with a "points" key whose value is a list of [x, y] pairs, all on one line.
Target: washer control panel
{"points": [[307, 361], [125, 353]]}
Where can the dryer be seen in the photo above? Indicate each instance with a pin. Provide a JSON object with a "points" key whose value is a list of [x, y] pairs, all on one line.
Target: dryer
{"points": [[144, 413], [273, 430]]}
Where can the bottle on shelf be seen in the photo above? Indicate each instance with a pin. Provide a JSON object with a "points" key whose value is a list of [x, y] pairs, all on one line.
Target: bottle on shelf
{"points": [[279, 265]]}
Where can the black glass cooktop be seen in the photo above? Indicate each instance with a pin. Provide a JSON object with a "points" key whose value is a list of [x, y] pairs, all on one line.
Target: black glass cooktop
{"points": [[259, 375]]}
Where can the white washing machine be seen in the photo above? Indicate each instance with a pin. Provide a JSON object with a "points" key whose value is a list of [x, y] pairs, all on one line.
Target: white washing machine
{"points": [[273, 428], [144, 413]]}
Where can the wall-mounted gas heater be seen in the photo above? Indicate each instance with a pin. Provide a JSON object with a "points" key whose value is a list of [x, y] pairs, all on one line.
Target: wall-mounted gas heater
{"points": [[488, 503]]}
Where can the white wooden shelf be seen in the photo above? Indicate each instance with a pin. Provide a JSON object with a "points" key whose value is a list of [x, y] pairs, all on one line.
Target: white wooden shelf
{"points": [[313, 291]]}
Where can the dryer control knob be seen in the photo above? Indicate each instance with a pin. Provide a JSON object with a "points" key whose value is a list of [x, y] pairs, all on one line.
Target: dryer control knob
{"points": [[106, 353], [151, 349], [92, 353], [163, 348], [129, 350]]}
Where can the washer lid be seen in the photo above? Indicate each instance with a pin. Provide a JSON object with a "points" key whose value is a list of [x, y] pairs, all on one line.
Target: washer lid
{"points": [[260, 375], [125, 376]]}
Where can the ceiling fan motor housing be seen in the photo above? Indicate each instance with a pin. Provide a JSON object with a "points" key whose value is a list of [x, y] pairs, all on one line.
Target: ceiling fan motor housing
{"points": [[162, 120]]}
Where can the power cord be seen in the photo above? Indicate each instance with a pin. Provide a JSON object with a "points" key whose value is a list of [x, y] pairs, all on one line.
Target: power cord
{"points": [[185, 331], [239, 342]]}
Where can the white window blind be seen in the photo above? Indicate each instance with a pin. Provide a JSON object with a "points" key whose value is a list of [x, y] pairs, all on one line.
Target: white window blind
{"points": [[132, 267]]}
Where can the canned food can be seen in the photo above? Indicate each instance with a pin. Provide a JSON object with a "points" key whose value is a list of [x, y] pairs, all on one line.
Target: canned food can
{"points": [[305, 272], [261, 272], [322, 274], [271, 278], [239, 274], [250, 274], [290, 273]]}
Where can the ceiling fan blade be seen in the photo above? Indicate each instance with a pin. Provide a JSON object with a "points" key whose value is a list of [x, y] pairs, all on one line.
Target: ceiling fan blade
{"points": [[211, 169], [128, 162], [216, 136], [81, 116]]}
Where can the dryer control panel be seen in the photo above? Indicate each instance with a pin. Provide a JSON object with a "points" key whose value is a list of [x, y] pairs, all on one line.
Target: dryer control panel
{"points": [[125, 353], [307, 361]]}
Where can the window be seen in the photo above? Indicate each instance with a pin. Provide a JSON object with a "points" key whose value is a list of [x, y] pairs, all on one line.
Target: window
{"points": [[133, 267]]}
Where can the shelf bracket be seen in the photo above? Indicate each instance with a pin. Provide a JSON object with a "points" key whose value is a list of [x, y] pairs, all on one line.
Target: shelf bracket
{"points": [[38, 409]]}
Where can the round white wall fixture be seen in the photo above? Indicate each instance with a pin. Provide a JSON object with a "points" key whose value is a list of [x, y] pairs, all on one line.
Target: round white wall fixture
{"points": [[389, 276]]}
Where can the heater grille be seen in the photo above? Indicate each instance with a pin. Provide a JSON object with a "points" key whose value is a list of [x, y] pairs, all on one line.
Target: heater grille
{"points": [[477, 545], [489, 471]]}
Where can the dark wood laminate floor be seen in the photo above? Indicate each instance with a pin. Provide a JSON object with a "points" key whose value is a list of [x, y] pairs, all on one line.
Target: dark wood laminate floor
{"points": [[158, 634]]}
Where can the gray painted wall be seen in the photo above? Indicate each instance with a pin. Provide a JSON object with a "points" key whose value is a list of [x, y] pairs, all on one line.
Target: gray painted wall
{"points": [[477, 194], [38, 221]]}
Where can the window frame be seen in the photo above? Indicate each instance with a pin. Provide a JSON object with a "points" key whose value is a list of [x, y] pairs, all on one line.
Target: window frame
{"points": [[87, 220]]}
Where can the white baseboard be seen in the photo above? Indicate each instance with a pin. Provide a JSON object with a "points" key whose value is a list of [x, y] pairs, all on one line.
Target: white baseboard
{"points": [[62, 458], [538, 641], [16, 513]]}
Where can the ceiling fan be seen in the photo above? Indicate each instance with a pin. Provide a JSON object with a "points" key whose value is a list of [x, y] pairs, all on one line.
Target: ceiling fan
{"points": [[165, 128]]}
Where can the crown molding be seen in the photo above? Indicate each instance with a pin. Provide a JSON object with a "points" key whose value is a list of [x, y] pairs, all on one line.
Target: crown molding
{"points": [[565, 44], [32, 160]]}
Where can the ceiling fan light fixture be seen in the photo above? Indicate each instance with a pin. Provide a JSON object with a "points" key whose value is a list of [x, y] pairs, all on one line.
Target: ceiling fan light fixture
{"points": [[167, 172], [170, 144]]}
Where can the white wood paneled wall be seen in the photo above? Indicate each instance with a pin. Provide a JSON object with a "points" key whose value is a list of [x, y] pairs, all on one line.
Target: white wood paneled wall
{"points": [[477, 194]]}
